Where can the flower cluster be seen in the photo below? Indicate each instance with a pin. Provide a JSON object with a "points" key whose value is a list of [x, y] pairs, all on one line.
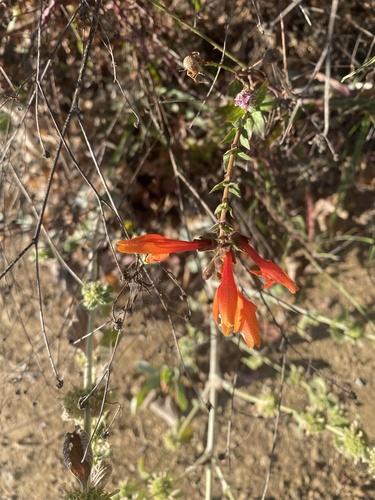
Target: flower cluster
{"points": [[245, 99], [232, 312]]}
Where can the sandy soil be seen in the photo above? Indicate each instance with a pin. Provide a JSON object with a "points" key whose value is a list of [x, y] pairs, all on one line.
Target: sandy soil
{"points": [[304, 465]]}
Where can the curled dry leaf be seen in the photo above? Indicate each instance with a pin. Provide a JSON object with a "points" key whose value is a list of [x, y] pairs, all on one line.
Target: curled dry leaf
{"points": [[75, 445], [101, 474]]}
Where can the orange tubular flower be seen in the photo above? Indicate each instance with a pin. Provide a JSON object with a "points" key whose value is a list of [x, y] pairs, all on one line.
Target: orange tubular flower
{"points": [[271, 272], [158, 248], [237, 314]]}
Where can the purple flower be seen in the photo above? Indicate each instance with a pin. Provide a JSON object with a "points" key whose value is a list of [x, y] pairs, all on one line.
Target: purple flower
{"points": [[245, 99]]}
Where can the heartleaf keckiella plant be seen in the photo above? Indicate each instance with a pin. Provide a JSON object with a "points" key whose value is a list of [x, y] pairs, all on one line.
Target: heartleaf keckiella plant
{"points": [[232, 312]]}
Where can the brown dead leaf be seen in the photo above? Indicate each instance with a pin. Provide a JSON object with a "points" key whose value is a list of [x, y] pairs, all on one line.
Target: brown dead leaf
{"points": [[76, 444]]}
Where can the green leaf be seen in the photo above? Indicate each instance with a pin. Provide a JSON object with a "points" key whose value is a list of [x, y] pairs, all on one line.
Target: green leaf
{"points": [[226, 162], [166, 375], [259, 123], [361, 68], [244, 140], [230, 211], [185, 434], [231, 152], [220, 207], [152, 383], [268, 103], [219, 186], [229, 137], [234, 189], [261, 94], [227, 155], [198, 5], [225, 206], [249, 126], [146, 368], [181, 398], [235, 115], [244, 156], [4, 122]]}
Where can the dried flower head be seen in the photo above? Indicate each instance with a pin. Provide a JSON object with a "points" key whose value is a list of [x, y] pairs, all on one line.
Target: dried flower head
{"points": [[192, 65]]}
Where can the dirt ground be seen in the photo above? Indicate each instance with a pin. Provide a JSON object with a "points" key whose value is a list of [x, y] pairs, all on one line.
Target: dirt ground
{"points": [[304, 465], [308, 198]]}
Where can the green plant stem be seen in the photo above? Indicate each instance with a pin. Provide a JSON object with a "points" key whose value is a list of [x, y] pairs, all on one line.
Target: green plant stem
{"points": [[197, 405], [213, 382], [197, 32], [227, 178], [227, 386], [87, 374], [257, 354], [222, 66], [224, 485]]}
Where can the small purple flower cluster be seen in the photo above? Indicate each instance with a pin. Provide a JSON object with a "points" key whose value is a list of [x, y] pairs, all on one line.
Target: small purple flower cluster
{"points": [[245, 99]]}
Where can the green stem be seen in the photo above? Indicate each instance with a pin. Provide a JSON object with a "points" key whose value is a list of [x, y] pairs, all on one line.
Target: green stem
{"points": [[218, 65], [196, 407], [224, 485], [257, 354], [87, 374], [212, 381], [249, 397], [228, 177]]}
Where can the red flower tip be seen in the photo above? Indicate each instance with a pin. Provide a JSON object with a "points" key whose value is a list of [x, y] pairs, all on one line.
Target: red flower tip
{"points": [[158, 248], [232, 312], [270, 271]]}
